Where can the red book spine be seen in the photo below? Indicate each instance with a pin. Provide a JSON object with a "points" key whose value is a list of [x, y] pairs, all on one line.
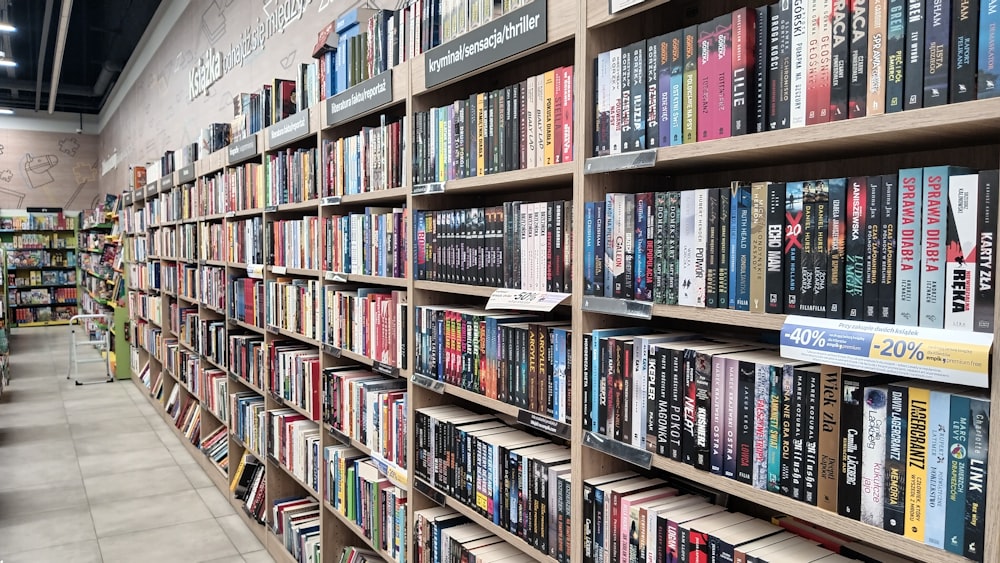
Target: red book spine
{"points": [[715, 78]]}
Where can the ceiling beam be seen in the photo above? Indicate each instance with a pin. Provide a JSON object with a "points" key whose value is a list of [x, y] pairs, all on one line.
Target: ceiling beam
{"points": [[64, 15], [41, 54]]}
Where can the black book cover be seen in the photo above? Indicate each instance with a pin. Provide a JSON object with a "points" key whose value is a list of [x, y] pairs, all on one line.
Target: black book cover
{"points": [[628, 284], [758, 86], [774, 277], [625, 99], [894, 518], [894, 55], [873, 243], [792, 251], [937, 52], [858, 89], [725, 231], [821, 253], [985, 263], [810, 435], [745, 421], [606, 368], [652, 107], [672, 248], [556, 209], [854, 248], [964, 54], [840, 60], [703, 410], [637, 112], [784, 95], [659, 247], [975, 496], [658, 409], [805, 301], [712, 251], [797, 489], [688, 390], [887, 266], [835, 246], [676, 401], [773, 64], [623, 394]]}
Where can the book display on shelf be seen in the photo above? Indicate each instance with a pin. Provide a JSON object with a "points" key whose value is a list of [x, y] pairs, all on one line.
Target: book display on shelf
{"points": [[690, 195]]}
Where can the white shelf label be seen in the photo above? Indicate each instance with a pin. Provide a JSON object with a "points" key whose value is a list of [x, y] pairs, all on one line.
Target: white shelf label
{"points": [[330, 200], [280, 270], [335, 277], [523, 300], [255, 271], [948, 356]]}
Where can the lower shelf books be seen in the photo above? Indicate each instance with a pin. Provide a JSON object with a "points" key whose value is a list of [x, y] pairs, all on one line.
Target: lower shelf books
{"points": [[248, 485], [512, 357], [294, 375], [249, 420], [247, 303], [367, 321], [188, 419], [297, 243], [497, 246], [294, 444], [369, 161], [247, 358], [212, 389], [368, 408], [294, 305], [445, 535], [212, 281], [358, 555], [518, 481], [245, 241], [296, 522], [371, 243], [216, 447], [44, 314], [290, 176], [356, 489]]}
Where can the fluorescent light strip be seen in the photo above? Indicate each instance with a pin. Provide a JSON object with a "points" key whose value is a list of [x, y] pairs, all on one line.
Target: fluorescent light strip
{"points": [[6, 27], [6, 111], [7, 62]]}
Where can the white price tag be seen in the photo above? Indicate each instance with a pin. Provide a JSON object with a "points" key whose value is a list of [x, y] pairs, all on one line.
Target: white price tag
{"points": [[280, 270], [335, 277], [523, 300], [255, 271]]}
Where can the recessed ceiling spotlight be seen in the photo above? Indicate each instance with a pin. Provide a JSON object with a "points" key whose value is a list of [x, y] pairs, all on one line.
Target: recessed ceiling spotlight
{"points": [[7, 62], [6, 111], [6, 27]]}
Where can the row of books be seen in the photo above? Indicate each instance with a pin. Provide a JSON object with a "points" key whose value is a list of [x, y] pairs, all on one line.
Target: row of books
{"points": [[216, 447], [148, 336], [369, 42], [178, 204], [366, 162], [368, 408], [249, 485], [212, 281], [353, 554], [498, 246], [40, 259], [367, 321], [249, 420], [211, 340], [41, 241], [294, 305], [513, 478], [294, 375], [515, 358], [523, 125], [213, 392], [43, 314], [443, 535], [146, 306], [788, 65], [247, 359], [372, 243], [913, 248], [356, 489], [40, 222], [295, 521], [255, 111], [245, 241], [298, 243], [290, 176], [186, 413], [40, 277], [247, 303], [294, 444], [737, 409], [42, 296], [233, 189]]}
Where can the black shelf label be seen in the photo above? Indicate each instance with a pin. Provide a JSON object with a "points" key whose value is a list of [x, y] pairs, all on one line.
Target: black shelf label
{"points": [[359, 99], [428, 189], [273, 330], [384, 369], [140, 195], [618, 307], [518, 31], [429, 491], [167, 183], [152, 189], [625, 452], [543, 423], [186, 175], [44, 209], [201, 262], [618, 162], [428, 383], [289, 130], [127, 198], [241, 150], [332, 350]]}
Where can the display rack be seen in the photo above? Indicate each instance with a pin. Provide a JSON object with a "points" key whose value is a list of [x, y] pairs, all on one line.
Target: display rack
{"points": [[101, 275]]}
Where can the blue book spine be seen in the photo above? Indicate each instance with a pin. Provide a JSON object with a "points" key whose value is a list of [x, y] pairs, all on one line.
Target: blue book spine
{"points": [[558, 373], [419, 249], [642, 203], [958, 470], [909, 229], [600, 268], [588, 248], [989, 24], [741, 258], [595, 362], [937, 469], [676, 85], [663, 96]]}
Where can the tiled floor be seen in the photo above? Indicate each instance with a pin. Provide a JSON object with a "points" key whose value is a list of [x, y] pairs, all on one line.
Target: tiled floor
{"points": [[92, 473]]}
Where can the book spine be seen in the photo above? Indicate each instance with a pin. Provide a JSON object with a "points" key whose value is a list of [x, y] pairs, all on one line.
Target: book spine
{"points": [[937, 468], [741, 257], [975, 496], [629, 231], [690, 83], [989, 23], [732, 413], [566, 130], [794, 231], [700, 243], [788, 420], [757, 245], [743, 36], [840, 59], [774, 279], [663, 98], [758, 80], [600, 241], [836, 241], [894, 518], [646, 250], [740, 415], [937, 55], [652, 106], [873, 456], [615, 246], [819, 69], [659, 247], [913, 68], [917, 421], [672, 249], [614, 102], [800, 404], [957, 473], [601, 116], [849, 491], [715, 435], [686, 261], [964, 41], [932, 244], [775, 380], [712, 250], [887, 250], [799, 62], [821, 254], [588, 248], [873, 239], [678, 404], [637, 85], [858, 88], [986, 235], [761, 413], [725, 237], [961, 249], [909, 225], [677, 84], [773, 64], [828, 447]]}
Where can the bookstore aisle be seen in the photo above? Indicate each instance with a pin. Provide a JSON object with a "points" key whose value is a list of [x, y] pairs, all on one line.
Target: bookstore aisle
{"points": [[93, 473]]}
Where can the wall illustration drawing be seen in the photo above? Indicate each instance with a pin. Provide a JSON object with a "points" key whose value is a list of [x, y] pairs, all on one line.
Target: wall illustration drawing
{"points": [[48, 170]]}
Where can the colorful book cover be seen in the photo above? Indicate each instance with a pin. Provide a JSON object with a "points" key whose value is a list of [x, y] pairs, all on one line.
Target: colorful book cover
{"points": [[643, 261], [627, 287], [854, 265], [715, 77], [761, 413], [690, 94], [677, 84], [614, 247], [758, 243], [989, 41], [937, 468], [821, 252], [774, 431], [840, 59], [958, 471], [917, 436], [739, 274], [873, 455], [657, 98], [818, 68], [588, 248], [799, 63], [836, 240], [689, 255], [793, 245], [858, 89], [659, 247], [600, 245], [637, 97], [700, 240], [672, 248], [895, 47], [725, 236], [743, 76], [808, 243], [712, 251], [964, 42], [937, 53], [986, 235], [913, 69], [961, 251], [614, 105], [933, 244], [774, 277], [909, 226], [887, 250]]}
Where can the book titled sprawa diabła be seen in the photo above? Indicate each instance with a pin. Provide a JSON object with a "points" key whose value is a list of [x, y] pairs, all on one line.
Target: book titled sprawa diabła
{"points": [[909, 226]]}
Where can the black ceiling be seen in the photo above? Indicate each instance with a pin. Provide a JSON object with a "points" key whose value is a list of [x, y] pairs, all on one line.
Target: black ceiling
{"points": [[102, 35]]}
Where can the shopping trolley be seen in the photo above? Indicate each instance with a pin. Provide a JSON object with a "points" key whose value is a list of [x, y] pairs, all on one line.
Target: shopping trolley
{"points": [[102, 343]]}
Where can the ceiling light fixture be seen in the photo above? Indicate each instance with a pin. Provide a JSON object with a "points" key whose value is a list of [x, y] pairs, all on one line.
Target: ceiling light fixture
{"points": [[7, 62], [6, 27], [6, 111]]}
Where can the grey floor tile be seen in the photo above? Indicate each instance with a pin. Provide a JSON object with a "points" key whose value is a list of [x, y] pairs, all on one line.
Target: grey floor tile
{"points": [[135, 484], [238, 533], [196, 476], [228, 559], [132, 460], [44, 433], [124, 411], [78, 552], [43, 529], [180, 452], [261, 556], [42, 498], [116, 426], [33, 419], [115, 443], [38, 473], [134, 515], [81, 402], [60, 450], [216, 502], [203, 541]]}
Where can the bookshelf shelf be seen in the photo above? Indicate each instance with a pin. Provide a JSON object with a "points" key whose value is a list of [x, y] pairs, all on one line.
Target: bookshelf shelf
{"points": [[293, 271], [213, 363], [399, 475], [215, 262], [245, 383], [358, 531], [456, 288], [283, 554], [514, 180], [489, 525], [727, 317], [187, 299], [300, 206], [33, 305], [294, 335], [286, 403], [373, 280], [377, 196], [250, 327], [274, 461], [245, 447], [244, 213]]}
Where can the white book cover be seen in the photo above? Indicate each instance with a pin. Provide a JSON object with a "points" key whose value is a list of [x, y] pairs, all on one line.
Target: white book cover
{"points": [[687, 293], [530, 118], [525, 228], [960, 270], [937, 468], [617, 264], [800, 51], [909, 226], [700, 244], [539, 120], [615, 101], [873, 455]]}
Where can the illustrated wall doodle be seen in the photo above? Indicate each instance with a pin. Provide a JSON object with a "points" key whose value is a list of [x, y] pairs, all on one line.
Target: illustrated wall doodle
{"points": [[48, 170]]}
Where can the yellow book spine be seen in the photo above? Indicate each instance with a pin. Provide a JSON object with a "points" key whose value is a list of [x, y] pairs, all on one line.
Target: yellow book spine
{"points": [[550, 86], [917, 420]]}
